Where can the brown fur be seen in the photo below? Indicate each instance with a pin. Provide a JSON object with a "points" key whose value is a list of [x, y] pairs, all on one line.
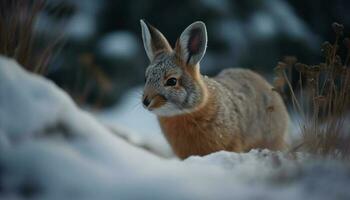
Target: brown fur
{"points": [[207, 130], [188, 135]]}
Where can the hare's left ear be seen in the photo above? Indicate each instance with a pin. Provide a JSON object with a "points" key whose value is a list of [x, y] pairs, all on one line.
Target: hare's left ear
{"points": [[153, 41], [191, 46]]}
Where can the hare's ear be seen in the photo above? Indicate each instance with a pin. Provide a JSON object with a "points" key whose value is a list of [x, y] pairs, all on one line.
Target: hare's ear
{"points": [[153, 40], [192, 43]]}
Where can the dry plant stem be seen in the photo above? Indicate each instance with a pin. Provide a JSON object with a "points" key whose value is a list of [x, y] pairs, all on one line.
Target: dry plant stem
{"points": [[17, 35], [301, 89], [294, 98]]}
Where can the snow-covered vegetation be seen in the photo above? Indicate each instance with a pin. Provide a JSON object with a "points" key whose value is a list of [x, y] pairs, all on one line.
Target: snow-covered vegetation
{"points": [[51, 149]]}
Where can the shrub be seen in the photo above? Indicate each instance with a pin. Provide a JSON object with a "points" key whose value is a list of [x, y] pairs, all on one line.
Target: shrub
{"points": [[321, 98]]}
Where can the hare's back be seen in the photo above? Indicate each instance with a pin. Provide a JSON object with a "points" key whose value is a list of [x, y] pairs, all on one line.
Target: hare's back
{"points": [[258, 101], [243, 80]]}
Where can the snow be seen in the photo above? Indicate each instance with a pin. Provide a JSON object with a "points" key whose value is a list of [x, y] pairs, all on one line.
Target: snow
{"points": [[278, 17], [119, 44], [288, 21], [263, 25], [138, 125], [81, 27], [51, 149]]}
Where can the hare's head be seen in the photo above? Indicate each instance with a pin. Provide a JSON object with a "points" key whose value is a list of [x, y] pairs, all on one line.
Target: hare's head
{"points": [[173, 82]]}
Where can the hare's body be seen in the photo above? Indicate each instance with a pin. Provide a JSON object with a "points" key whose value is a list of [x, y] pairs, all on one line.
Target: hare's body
{"points": [[234, 111], [242, 112]]}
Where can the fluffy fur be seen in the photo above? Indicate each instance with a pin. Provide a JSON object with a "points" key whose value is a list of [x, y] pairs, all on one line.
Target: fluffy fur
{"points": [[234, 111]]}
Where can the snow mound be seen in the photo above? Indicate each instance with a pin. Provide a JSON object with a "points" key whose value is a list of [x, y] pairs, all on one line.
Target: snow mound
{"points": [[130, 112], [50, 149]]}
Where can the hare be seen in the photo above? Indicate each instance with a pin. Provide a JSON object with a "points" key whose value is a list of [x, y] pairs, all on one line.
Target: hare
{"points": [[237, 110]]}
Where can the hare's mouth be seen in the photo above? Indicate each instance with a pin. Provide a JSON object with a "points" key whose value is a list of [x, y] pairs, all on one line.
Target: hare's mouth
{"points": [[156, 102], [167, 110], [161, 106]]}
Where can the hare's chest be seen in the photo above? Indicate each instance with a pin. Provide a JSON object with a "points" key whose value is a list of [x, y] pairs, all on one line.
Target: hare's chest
{"points": [[188, 137]]}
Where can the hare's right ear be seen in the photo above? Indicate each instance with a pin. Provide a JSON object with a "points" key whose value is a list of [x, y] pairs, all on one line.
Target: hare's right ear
{"points": [[153, 40], [191, 46]]}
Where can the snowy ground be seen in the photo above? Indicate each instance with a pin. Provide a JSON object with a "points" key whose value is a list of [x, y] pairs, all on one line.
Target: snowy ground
{"points": [[50, 149], [140, 126]]}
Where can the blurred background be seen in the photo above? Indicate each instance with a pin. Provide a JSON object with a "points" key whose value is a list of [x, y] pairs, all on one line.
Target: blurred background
{"points": [[93, 49], [100, 54]]}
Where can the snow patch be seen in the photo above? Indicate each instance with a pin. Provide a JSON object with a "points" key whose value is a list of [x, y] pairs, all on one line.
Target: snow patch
{"points": [[140, 126], [81, 27], [120, 44]]}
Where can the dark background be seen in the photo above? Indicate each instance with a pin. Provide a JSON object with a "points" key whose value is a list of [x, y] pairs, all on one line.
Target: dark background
{"points": [[100, 54]]}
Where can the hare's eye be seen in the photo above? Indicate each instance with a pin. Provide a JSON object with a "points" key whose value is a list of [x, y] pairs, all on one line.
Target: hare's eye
{"points": [[171, 82]]}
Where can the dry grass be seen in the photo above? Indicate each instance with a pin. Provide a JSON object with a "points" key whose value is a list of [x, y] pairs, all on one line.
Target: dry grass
{"points": [[321, 98], [17, 37], [19, 40]]}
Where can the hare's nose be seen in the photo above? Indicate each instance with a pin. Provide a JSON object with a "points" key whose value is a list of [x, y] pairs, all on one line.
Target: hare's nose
{"points": [[146, 101]]}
